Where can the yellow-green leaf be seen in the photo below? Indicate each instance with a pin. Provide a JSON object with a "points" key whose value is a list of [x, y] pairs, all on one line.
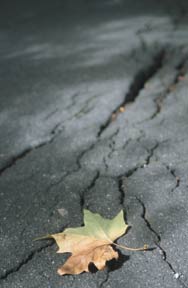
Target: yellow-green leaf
{"points": [[90, 243]]}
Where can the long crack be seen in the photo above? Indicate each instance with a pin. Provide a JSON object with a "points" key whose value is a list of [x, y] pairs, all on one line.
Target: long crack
{"points": [[137, 85], [148, 224], [27, 259], [143, 215], [30, 256], [130, 172], [11, 162], [56, 130], [92, 184], [24, 262], [157, 243], [161, 98]]}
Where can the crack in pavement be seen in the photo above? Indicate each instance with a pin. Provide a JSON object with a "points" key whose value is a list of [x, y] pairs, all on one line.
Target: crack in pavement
{"points": [[81, 155], [25, 261], [130, 172], [151, 153], [143, 215], [157, 243], [101, 285], [177, 178], [111, 147], [40, 249], [180, 69], [90, 186], [85, 109], [91, 147], [122, 196], [29, 257], [50, 114], [160, 99], [73, 100], [121, 190], [57, 129], [137, 85]]}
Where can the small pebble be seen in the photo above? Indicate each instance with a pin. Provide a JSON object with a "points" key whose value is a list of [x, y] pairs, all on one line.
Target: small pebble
{"points": [[122, 109], [176, 275]]}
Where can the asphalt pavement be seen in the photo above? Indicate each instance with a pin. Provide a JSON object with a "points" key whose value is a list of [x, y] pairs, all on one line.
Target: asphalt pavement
{"points": [[94, 114]]}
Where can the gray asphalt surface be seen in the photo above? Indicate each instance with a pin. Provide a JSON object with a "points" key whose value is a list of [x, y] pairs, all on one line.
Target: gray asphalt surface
{"points": [[66, 71]]}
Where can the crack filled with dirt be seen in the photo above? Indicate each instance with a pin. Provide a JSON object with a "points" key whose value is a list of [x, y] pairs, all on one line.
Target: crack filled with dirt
{"points": [[137, 85], [57, 129]]}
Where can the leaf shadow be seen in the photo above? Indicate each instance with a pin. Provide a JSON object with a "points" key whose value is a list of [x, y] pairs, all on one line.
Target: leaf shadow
{"points": [[113, 264]]}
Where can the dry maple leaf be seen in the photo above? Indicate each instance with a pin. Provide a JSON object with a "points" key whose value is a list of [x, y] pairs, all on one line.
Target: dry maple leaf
{"points": [[90, 243]]}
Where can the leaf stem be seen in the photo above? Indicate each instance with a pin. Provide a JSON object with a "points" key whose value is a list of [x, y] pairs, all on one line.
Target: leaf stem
{"points": [[145, 247], [43, 237]]}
